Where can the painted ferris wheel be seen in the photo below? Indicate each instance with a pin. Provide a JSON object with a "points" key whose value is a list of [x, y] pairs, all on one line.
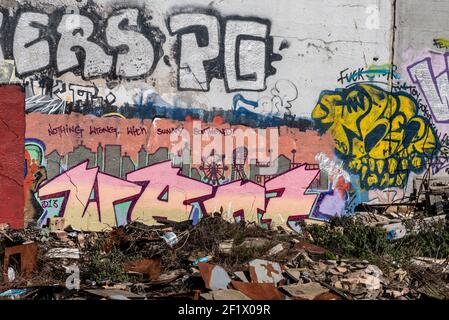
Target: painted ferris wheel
{"points": [[213, 168]]}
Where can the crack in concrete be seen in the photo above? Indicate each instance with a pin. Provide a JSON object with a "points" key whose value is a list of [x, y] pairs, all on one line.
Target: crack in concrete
{"points": [[325, 48], [327, 42], [390, 80], [197, 80], [76, 188]]}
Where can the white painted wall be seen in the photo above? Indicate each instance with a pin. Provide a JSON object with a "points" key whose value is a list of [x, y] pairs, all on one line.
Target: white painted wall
{"points": [[324, 38]]}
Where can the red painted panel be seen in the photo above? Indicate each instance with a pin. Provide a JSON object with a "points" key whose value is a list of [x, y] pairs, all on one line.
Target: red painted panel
{"points": [[12, 136]]}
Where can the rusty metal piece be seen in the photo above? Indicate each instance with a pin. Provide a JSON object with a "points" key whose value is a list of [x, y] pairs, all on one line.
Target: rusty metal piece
{"points": [[258, 291], [327, 296], [149, 268], [28, 254], [263, 271], [215, 277], [310, 248], [116, 238]]}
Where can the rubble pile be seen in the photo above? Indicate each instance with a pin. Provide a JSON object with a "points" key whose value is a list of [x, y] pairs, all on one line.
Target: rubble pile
{"points": [[354, 279], [429, 202], [213, 260]]}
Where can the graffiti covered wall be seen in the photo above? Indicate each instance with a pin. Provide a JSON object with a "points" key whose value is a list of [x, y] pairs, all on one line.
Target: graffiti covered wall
{"points": [[269, 112]]}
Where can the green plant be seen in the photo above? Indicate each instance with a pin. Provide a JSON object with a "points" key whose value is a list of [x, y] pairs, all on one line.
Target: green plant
{"points": [[350, 238], [108, 265]]}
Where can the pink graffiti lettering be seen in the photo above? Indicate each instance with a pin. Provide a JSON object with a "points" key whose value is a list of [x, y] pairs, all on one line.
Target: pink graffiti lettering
{"points": [[167, 193], [96, 201]]}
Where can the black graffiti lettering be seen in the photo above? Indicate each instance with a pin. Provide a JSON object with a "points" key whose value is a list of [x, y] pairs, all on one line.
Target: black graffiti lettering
{"points": [[31, 52], [245, 55], [136, 131], [83, 94], [136, 55], [75, 31], [198, 38], [237, 49]]}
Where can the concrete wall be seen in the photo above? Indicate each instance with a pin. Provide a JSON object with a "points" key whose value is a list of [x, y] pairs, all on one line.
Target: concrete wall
{"points": [[268, 111]]}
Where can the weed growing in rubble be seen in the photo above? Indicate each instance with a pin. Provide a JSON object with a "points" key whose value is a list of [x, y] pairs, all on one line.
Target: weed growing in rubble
{"points": [[205, 238], [109, 265], [432, 241], [240, 255], [350, 238]]}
